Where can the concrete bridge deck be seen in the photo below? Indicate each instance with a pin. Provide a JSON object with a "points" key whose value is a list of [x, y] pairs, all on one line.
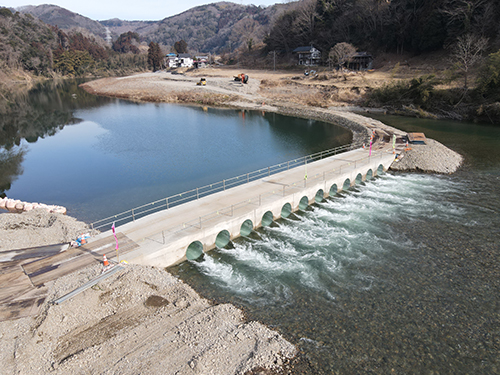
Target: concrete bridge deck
{"points": [[185, 231]]}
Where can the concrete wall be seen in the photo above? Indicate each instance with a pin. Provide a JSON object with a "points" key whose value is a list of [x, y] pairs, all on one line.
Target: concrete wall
{"points": [[174, 250]]}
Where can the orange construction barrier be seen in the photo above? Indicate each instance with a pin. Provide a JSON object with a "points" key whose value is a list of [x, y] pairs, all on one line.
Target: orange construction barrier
{"points": [[105, 262]]}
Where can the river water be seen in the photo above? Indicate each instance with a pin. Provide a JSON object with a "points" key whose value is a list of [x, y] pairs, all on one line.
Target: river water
{"points": [[398, 275], [99, 157]]}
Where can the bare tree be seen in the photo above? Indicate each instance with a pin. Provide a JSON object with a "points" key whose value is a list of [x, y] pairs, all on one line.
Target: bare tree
{"points": [[306, 19], [467, 52], [341, 54]]}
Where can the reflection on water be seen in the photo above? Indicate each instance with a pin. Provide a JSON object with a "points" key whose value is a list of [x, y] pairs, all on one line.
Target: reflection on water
{"points": [[38, 113], [399, 275], [117, 155]]}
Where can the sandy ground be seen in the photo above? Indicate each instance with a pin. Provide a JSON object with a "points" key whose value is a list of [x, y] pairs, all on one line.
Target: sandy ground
{"points": [[268, 87], [139, 321]]}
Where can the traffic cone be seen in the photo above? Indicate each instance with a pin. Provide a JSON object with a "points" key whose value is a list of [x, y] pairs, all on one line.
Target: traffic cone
{"points": [[105, 262]]}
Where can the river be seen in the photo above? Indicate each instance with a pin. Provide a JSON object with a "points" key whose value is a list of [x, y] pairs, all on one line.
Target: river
{"points": [[397, 275], [99, 156]]}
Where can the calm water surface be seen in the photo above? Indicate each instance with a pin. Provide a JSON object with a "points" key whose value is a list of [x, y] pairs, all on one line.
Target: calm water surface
{"points": [[398, 275], [99, 157]]}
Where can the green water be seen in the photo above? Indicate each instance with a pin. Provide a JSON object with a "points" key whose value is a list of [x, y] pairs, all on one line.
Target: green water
{"points": [[398, 275]]}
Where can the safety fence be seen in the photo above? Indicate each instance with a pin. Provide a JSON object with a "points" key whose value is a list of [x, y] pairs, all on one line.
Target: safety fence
{"points": [[258, 200], [200, 192]]}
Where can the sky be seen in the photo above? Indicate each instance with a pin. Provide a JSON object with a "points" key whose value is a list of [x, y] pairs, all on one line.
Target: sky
{"points": [[147, 10]]}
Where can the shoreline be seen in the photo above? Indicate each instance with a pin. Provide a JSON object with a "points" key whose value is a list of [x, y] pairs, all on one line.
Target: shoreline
{"points": [[222, 91], [145, 311], [140, 320]]}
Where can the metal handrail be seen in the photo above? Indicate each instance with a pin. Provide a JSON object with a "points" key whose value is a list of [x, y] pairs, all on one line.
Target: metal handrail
{"points": [[194, 194], [257, 200]]}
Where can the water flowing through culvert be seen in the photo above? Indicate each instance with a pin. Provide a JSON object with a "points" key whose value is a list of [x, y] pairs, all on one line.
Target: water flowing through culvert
{"points": [[335, 278]]}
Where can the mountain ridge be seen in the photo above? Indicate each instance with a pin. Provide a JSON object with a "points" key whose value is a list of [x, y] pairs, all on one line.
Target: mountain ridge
{"points": [[215, 27]]}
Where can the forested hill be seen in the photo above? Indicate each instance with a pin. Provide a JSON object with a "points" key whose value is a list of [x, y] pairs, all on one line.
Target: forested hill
{"points": [[411, 26], [63, 18], [217, 27], [222, 26]]}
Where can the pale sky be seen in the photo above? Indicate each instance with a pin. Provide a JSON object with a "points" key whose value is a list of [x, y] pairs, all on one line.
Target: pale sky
{"points": [[147, 10]]}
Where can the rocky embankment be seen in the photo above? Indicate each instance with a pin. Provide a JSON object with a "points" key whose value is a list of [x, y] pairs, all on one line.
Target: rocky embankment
{"points": [[433, 157], [37, 227]]}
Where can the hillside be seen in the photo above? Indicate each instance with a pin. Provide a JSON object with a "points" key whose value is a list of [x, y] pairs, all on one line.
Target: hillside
{"points": [[216, 27], [63, 18]]}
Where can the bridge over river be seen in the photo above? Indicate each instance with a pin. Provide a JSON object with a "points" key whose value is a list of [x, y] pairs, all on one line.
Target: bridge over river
{"points": [[169, 231]]}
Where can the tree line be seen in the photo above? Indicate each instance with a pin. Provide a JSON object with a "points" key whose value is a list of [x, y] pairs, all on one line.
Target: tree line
{"points": [[412, 26], [28, 44]]}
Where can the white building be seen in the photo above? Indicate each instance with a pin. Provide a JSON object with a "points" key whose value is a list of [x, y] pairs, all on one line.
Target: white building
{"points": [[182, 60]]}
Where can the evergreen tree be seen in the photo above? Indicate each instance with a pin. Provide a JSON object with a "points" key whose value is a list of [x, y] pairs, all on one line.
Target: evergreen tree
{"points": [[155, 56]]}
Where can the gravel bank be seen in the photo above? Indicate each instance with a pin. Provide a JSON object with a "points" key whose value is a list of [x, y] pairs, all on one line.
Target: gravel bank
{"points": [[142, 320], [37, 228], [433, 157]]}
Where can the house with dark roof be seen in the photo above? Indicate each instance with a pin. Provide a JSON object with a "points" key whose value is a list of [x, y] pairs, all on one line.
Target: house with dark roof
{"points": [[308, 56], [361, 61]]}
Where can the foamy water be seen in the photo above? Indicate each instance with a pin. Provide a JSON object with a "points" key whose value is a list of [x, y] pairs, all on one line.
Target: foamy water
{"points": [[318, 250], [362, 279]]}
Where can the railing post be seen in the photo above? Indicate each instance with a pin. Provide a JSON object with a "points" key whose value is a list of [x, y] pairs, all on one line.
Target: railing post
{"points": [[163, 234], [224, 184], [167, 202], [200, 222], [197, 194], [248, 179], [268, 171], [288, 165], [133, 217]]}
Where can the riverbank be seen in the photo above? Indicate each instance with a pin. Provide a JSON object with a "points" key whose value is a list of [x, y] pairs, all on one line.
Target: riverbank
{"points": [[142, 320], [278, 92]]}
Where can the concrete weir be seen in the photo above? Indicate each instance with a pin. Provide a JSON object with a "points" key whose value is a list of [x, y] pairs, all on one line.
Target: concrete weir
{"points": [[186, 231]]}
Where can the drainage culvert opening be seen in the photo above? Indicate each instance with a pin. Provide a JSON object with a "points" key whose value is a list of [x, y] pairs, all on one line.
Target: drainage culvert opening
{"points": [[286, 210], [380, 169], [358, 179], [333, 190], [267, 219], [319, 196], [222, 239], [347, 184], [194, 250], [304, 202], [246, 228]]}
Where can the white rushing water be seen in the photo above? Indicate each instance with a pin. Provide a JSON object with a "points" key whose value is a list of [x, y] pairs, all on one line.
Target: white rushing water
{"points": [[322, 249]]}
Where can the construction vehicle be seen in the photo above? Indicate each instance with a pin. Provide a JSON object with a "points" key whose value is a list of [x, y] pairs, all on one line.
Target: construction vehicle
{"points": [[242, 77], [203, 82]]}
